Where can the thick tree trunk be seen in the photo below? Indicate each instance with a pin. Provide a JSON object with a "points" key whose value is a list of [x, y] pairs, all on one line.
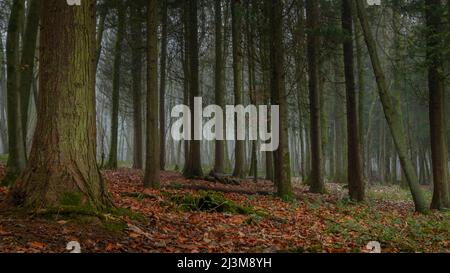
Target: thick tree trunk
{"points": [[62, 170], [316, 179], [194, 164], [282, 162], [236, 10], [392, 117], [162, 91], [354, 167], [112, 159], [436, 84], [17, 153], [136, 48], [152, 165]]}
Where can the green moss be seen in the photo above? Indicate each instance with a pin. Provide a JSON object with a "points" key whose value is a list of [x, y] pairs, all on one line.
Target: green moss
{"points": [[210, 201], [3, 158], [70, 199]]}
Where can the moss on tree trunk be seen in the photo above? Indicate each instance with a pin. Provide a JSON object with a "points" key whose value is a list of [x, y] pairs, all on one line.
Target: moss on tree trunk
{"points": [[62, 169]]}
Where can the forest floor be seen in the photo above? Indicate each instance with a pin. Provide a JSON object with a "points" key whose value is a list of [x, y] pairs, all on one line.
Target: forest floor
{"points": [[199, 216]]}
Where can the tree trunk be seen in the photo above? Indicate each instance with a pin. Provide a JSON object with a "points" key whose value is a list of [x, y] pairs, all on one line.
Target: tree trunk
{"points": [[436, 86], [152, 165], [219, 157], [103, 11], [392, 117], [3, 118], [236, 10], [62, 170], [17, 154], [282, 162], [112, 159], [194, 164], [162, 91], [316, 179], [354, 168], [27, 62], [136, 52]]}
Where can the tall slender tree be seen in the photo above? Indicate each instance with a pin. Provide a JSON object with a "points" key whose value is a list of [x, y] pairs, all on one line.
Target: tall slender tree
{"points": [[282, 161], [152, 166], [354, 167], [434, 12], [112, 159], [27, 62], [162, 90], [136, 52], [395, 123], [194, 164], [219, 157], [313, 44], [17, 154], [237, 14]]}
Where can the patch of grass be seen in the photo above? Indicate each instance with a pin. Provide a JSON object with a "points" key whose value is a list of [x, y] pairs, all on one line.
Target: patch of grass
{"points": [[210, 201], [406, 233], [139, 195], [394, 192], [4, 158]]}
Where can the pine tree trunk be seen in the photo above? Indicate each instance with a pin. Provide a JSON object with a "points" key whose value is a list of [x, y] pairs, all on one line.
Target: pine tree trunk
{"points": [[162, 91], [3, 118], [236, 10], [62, 170], [17, 153], [282, 164], [112, 159], [219, 157], [103, 12], [354, 167], [194, 164], [136, 52], [152, 165], [392, 117], [436, 86], [316, 179], [27, 62]]}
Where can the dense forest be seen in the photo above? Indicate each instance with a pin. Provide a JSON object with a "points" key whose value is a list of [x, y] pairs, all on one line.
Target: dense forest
{"points": [[87, 94]]}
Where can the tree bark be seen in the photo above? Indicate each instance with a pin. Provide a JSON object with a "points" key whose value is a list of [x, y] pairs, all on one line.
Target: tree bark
{"points": [[136, 52], [112, 159], [436, 86], [162, 91], [194, 164], [313, 45], [354, 167], [152, 165], [236, 10], [27, 63], [282, 163], [219, 157], [62, 170], [17, 154]]}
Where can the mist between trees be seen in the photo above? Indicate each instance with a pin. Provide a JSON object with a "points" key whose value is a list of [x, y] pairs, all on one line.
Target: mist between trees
{"points": [[362, 92]]}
